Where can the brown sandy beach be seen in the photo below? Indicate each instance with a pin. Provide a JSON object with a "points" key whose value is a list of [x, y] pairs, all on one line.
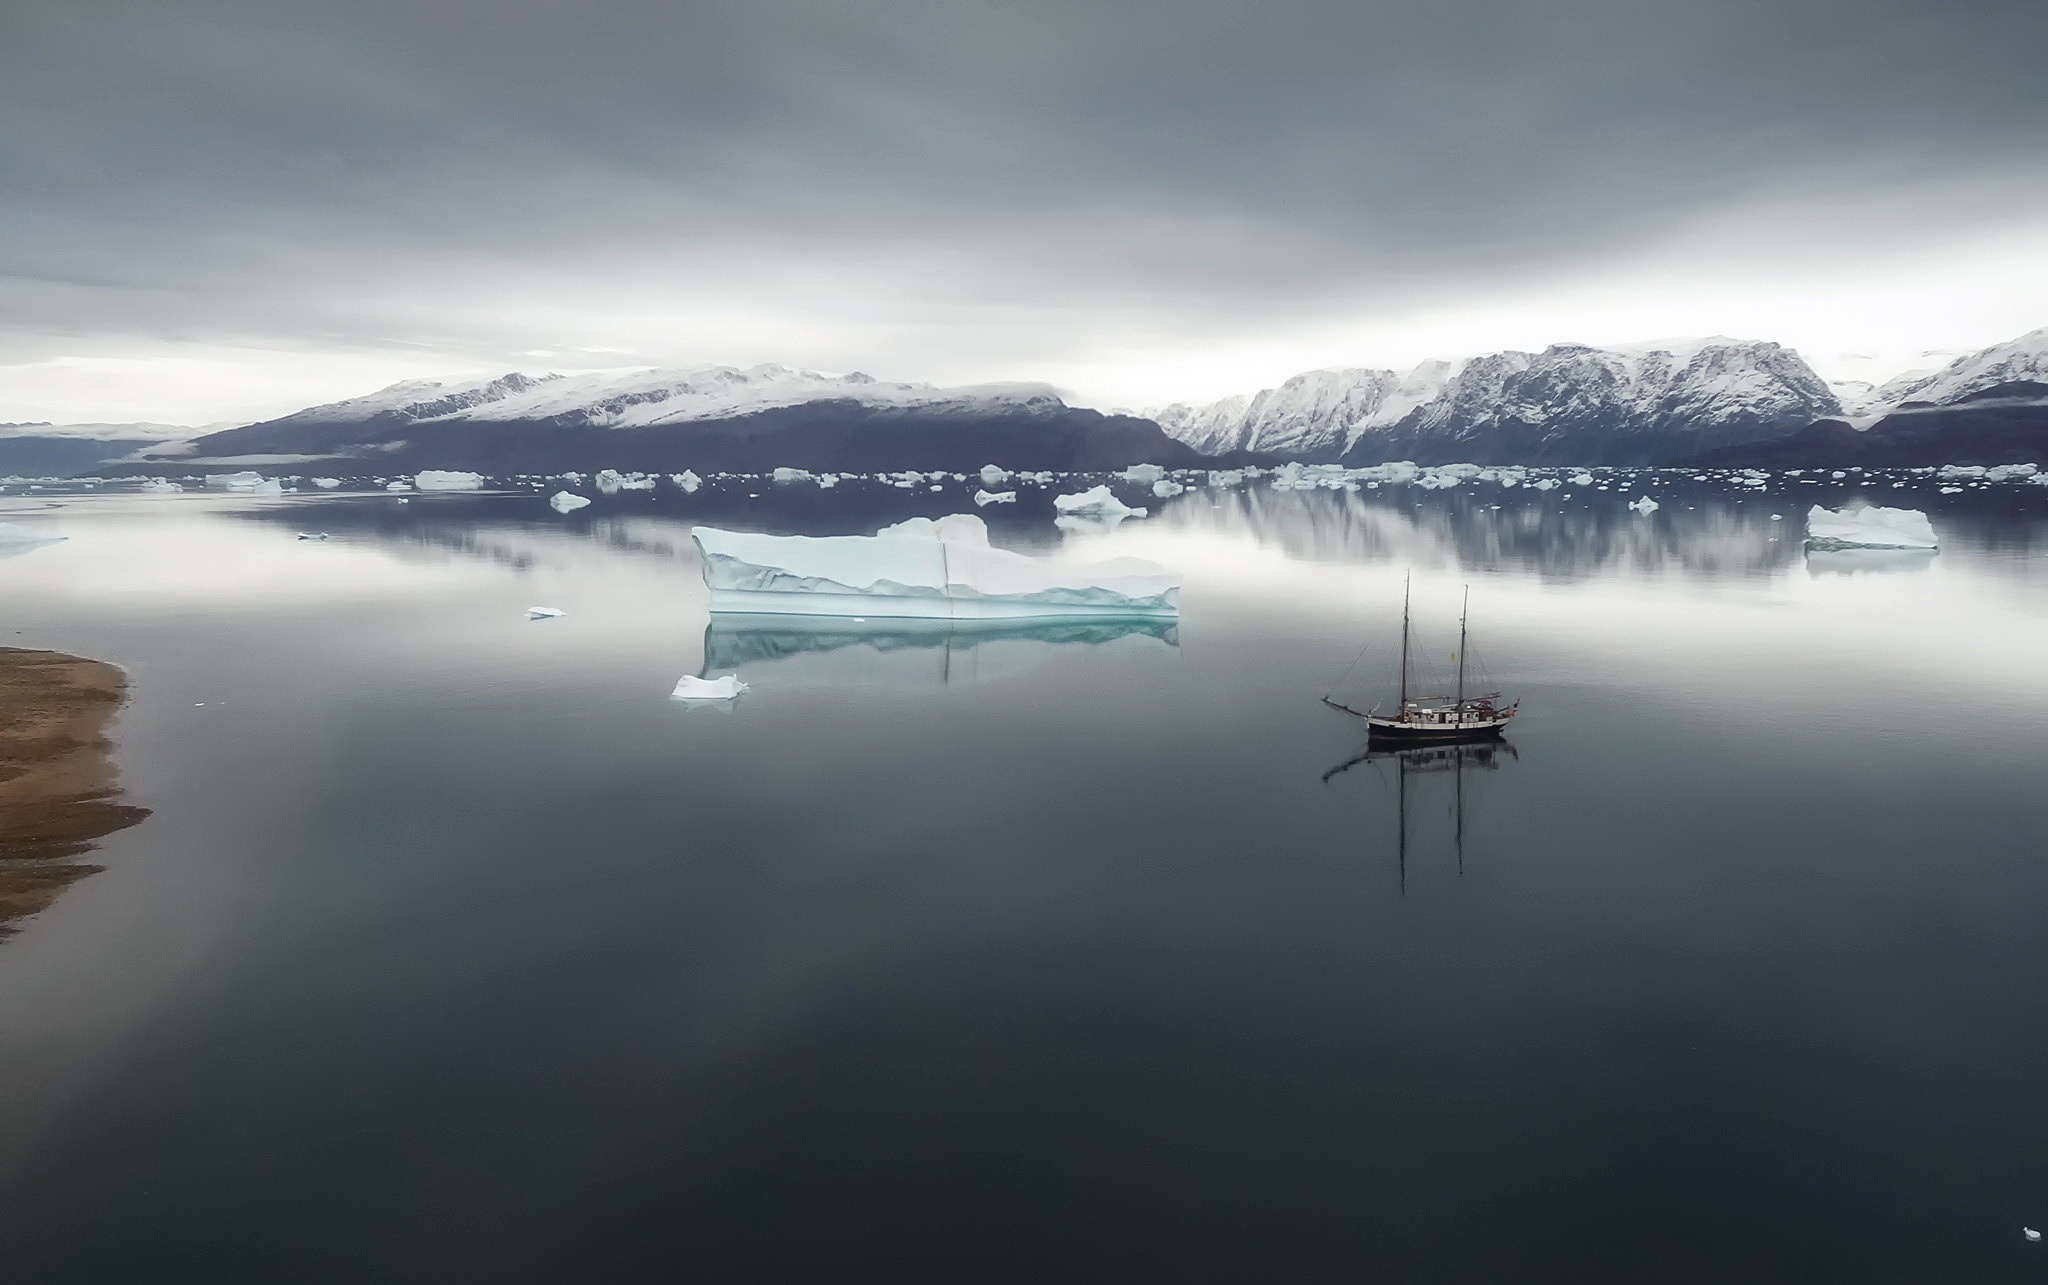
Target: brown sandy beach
{"points": [[57, 781]]}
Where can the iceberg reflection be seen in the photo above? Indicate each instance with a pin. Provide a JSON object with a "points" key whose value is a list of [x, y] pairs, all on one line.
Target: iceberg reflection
{"points": [[918, 651], [1849, 562]]}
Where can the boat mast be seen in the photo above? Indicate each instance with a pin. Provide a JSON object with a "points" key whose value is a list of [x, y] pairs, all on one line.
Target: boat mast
{"points": [[1463, 612], [1401, 710]]}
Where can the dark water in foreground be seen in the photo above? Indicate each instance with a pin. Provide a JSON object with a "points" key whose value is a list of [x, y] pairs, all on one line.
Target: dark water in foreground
{"points": [[455, 951]]}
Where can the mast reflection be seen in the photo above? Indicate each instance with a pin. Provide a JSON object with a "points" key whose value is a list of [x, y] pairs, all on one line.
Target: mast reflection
{"points": [[1425, 762]]}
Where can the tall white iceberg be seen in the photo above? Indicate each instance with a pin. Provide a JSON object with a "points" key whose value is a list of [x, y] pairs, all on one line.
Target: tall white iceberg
{"points": [[921, 569], [1870, 528]]}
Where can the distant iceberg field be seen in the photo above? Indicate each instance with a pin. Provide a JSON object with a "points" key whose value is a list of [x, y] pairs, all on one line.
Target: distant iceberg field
{"points": [[921, 568]]}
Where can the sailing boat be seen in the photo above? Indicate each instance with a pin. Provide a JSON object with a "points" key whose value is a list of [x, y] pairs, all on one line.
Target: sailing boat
{"points": [[1462, 716]]}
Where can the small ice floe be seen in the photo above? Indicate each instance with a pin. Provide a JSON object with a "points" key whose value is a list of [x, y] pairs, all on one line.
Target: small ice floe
{"points": [[565, 502], [1166, 488], [327, 483], [400, 485], [692, 688], [312, 535], [991, 475], [544, 613], [687, 480], [794, 475], [1096, 501], [985, 498], [1142, 473], [609, 480], [1582, 479], [160, 486], [1544, 484], [1869, 528], [244, 481], [1645, 505], [435, 479], [2030, 1233]]}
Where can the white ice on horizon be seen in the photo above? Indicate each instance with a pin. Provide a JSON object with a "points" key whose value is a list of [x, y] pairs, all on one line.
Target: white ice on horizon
{"points": [[692, 688], [434, 479], [921, 568], [564, 502], [1869, 528], [327, 483], [544, 613], [687, 480]]}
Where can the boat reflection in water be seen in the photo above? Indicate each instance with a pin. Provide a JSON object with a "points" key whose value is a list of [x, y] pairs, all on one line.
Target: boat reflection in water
{"points": [[918, 652], [1436, 768]]}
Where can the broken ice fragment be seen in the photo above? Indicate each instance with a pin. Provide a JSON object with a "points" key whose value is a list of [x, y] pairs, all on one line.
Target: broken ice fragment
{"points": [[312, 535], [447, 480], [692, 688], [1869, 528], [2030, 1233], [1096, 501], [544, 613], [995, 497], [1645, 505], [564, 502]]}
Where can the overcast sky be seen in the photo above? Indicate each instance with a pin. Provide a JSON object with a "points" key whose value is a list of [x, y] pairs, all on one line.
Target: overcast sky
{"points": [[227, 210]]}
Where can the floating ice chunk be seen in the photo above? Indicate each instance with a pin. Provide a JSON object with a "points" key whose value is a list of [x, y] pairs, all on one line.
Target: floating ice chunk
{"points": [[564, 502], [1142, 473], [400, 485], [636, 482], [234, 481], [692, 688], [1096, 500], [435, 479], [1645, 505], [794, 475], [2007, 472], [1225, 476], [687, 480], [2030, 1233], [1166, 489], [608, 480], [268, 486], [826, 481], [312, 535], [327, 483], [1544, 484], [921, 568], [544, 613], [985, 498], [1582, 479], [1869, 528], [994, 476], [160, 486], [14, 535]]}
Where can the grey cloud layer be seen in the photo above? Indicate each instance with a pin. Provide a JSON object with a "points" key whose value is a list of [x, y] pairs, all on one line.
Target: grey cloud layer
{"points": [[192, 169]]}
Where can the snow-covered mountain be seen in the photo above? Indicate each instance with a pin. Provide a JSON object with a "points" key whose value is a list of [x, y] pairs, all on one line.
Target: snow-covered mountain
{"points": [[1570, 403], [714, 417], [2017, 361], [639, 398]]}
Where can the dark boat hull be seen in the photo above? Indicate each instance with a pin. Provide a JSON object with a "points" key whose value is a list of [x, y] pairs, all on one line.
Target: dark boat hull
{"points": [[1412, 735]]}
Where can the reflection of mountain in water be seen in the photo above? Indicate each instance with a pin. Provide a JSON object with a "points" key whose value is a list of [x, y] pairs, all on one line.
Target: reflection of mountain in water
{"points": [[1695, 531], [919, 651]]}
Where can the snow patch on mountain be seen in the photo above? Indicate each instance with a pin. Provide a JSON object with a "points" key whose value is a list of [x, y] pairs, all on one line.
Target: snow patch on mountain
{"points": [[2021, 360], [1669, 386], [633, 399]]}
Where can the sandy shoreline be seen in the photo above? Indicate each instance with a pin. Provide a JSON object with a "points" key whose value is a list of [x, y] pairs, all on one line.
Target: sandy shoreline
{"points": [[57, 780]]}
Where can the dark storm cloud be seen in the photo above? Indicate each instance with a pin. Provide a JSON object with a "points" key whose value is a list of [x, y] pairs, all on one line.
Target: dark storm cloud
{"points": [[190, 169]]}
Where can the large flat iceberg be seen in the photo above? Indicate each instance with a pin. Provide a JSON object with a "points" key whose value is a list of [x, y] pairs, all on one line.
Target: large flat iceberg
{"points": [[921, 569], [435, 479], [1870, 528]]}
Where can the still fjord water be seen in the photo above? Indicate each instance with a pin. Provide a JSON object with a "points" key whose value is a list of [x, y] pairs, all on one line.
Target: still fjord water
{"points": [[454, 950]]}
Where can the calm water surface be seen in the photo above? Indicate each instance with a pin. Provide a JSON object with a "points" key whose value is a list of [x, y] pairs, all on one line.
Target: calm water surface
{"points": [[454, 950]]}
